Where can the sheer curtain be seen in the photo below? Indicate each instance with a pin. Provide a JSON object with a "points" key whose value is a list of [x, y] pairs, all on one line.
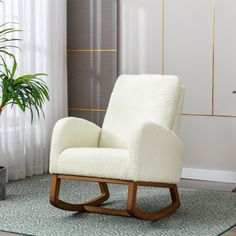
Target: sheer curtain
{"points": [[24, 147]]}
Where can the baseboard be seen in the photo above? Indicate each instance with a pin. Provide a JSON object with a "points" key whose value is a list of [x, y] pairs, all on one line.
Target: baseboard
{"points": [[209, 175]]}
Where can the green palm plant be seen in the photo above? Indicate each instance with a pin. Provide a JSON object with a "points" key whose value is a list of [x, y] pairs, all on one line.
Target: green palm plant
{"points": [[27, 91]]}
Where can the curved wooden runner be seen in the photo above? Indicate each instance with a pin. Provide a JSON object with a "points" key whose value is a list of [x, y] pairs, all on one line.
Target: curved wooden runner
{"points": [[93, 205]]}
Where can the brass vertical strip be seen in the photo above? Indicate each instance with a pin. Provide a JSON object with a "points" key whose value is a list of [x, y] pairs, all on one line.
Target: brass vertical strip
{"points": [[163, 38], [213, 58], [118, 36]]}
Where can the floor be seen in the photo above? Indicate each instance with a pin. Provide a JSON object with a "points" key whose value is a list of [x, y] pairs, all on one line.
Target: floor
{"points": [[191, 184], [211, 185]]}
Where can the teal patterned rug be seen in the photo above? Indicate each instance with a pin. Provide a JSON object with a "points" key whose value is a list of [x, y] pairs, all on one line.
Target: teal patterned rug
{"points": [[27, 211]]}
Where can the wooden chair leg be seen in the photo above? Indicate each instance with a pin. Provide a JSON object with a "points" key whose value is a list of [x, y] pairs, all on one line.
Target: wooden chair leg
{"points": [[132, 194], [55, 201], [175, 195], [151, 216]]}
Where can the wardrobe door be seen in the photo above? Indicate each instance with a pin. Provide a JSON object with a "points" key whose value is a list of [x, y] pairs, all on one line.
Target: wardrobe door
{"points": [[92, 56], [140, 36], [225, 54], [188, 50]]}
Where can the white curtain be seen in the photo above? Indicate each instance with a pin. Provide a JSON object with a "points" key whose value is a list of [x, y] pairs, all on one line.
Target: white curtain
{"points": [[24, 147]]}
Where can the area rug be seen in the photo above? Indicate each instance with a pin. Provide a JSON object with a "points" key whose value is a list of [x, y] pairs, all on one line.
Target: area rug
{"points": [[27, 210]]}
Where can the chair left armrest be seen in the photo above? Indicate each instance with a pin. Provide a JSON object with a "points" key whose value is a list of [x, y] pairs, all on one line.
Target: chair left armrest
{"points": [[72, 132], [155, 154]]}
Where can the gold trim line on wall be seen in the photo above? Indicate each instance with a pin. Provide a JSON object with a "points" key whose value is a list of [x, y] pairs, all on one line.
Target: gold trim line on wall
{"points": [[183, 114], [213, 58], [163, 38], [208, 115], [91, 50], [87, 109], [118, 36]]}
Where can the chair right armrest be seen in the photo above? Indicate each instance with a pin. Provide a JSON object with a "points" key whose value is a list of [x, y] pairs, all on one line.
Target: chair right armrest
{"points": [[155, 154]]}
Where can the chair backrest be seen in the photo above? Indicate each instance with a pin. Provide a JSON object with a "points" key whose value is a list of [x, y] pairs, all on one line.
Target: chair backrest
{"points": [[137, 99]]}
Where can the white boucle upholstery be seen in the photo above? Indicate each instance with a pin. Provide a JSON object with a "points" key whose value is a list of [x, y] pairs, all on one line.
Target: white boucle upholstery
{"points": [[72, 132], [137, 99], [138, 139], [97, 162], [155, 153]]}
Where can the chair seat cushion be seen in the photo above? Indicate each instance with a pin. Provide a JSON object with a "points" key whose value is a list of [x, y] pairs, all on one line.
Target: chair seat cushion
{"points": [[95, 162]]}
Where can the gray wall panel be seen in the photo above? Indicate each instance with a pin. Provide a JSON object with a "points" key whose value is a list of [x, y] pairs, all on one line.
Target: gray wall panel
{"points": [[95, 117], [91, 79], [92, 24]]}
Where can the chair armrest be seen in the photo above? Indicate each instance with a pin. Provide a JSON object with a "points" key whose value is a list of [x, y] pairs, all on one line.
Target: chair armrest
{"points": [[155, 154], [72, 132]]}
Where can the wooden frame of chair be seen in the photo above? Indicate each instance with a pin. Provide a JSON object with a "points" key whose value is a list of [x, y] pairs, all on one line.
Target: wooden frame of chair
{"points": [[93, 205]]}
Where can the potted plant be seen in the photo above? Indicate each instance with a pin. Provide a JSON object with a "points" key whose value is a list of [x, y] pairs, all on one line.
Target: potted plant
{"points": [[27, 91]]}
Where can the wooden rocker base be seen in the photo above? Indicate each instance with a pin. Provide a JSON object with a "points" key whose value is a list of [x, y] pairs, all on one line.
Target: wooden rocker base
{"points": [[92, 205]]}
